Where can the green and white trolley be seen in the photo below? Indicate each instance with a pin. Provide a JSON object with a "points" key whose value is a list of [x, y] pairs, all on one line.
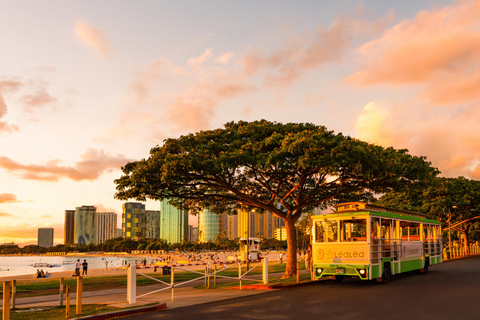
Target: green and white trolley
{"points": [[373, 242]]}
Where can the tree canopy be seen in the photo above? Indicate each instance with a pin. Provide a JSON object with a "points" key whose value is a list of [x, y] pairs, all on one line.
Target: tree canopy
{"points": [[454, 201], [268, 166]]}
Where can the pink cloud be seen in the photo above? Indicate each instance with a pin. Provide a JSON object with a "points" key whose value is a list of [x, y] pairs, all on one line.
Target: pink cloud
{"points": [[101, 208], [93, 38], [440, 48], [304, 53], [7, 87], [4, 214], [8, 198], [449, 138], [93, 164], [38, 99], [198, 61], [224, 58]]}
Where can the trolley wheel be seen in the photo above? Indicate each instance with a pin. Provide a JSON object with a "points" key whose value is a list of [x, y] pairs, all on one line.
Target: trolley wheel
{"points": [[338, 278], [425, 268], [386, 274]]}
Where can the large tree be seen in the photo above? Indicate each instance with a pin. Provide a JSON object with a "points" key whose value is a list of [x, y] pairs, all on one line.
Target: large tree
{"points": [[286, 169], [453, 201]]}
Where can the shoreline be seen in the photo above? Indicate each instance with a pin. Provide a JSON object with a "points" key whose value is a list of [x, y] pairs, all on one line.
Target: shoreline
{"points": [[115, 271]]}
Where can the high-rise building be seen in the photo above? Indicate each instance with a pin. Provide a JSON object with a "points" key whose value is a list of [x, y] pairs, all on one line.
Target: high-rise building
{"points": [[262, 225], [106, 226], [192, 233], [69, 228], [45, 237], [173, 223], [211, 224], [85, 225], [232, 226], [133, 220], [152, 224]]}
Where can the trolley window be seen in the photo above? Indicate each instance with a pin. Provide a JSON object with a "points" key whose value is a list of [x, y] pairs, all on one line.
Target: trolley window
{"points": [[353, 230], [326, 231]]}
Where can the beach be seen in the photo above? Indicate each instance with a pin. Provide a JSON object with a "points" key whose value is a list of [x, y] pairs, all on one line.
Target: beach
{"points": [[120, 270]]}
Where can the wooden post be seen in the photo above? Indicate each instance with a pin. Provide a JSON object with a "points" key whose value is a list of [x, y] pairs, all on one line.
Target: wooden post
{"points": [[172, 280], [215, 275], [67, 306], [6, 300], [79, 294], [265, 270], [298, 271], [62, 280], [14, 292], [209, 268], [132, 284], [206, 279], [240, 274]]}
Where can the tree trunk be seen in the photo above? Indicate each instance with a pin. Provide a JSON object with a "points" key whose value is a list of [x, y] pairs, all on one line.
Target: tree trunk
{"points": [[291, 269], [465, 238]]}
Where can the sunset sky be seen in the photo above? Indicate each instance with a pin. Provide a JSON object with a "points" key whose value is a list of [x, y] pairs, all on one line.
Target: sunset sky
{"points": [[86, 86]]}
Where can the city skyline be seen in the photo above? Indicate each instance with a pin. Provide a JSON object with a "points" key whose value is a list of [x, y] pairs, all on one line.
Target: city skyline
{"points": [[84, 91]]}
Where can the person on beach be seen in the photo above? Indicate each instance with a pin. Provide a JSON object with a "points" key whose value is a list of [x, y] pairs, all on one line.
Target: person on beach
{"points": [[78, 264], [85, 267]]}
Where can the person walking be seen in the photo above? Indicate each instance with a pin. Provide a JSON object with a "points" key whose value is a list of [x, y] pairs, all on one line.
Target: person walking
{"points": [[85, 267]]}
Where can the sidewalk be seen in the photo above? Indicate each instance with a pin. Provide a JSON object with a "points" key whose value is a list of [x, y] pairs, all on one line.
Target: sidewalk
{"points": [[183, 296]]}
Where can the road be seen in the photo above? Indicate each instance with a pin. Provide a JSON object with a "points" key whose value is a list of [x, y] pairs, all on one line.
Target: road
{"points": [[449, 291]]}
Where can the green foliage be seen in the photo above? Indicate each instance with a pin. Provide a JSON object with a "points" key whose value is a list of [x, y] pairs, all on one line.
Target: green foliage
{"points": [[286, 169], [283, 168], [453, 201]]}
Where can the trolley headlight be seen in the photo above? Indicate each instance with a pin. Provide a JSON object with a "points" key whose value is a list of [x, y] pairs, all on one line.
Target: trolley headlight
{"points": [[319, 270], [362, 271]]}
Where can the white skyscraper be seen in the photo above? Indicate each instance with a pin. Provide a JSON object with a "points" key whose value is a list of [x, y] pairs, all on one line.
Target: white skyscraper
{"points": [[106, 226]]}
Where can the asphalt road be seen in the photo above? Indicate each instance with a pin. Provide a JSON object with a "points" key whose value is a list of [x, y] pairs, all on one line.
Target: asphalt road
{"points": [[449, 291]]}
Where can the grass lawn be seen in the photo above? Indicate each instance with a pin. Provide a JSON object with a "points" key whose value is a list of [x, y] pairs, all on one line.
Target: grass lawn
{"points": [[57, 313]]}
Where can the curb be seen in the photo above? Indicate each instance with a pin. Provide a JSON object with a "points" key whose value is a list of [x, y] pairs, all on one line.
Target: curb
{"points": [[274, 286], [121, 313]]}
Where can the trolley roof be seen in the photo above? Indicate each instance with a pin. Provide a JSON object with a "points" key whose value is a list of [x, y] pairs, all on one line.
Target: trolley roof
{"points": [[366, 208]]}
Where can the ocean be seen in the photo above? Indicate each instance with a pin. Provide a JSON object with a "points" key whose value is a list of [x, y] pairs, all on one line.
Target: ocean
{"points": [[23, 265]]}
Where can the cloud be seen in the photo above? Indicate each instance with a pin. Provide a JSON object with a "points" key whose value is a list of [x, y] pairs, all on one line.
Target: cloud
{"points": [[93, 164], [4, 214], [93, 38], [198, 61], [8, 198], [440, 48], [167, 100], [449, 138], [7, 87], [101, 208], [224, 58], [304, 53], [20, 90], [38, 100]]}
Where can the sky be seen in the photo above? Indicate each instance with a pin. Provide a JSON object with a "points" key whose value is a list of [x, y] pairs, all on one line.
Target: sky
{"points": [[87, 86]]}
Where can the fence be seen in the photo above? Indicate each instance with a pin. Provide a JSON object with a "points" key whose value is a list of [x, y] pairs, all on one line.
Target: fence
{"points": [[209, 273], [459, 252]]}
